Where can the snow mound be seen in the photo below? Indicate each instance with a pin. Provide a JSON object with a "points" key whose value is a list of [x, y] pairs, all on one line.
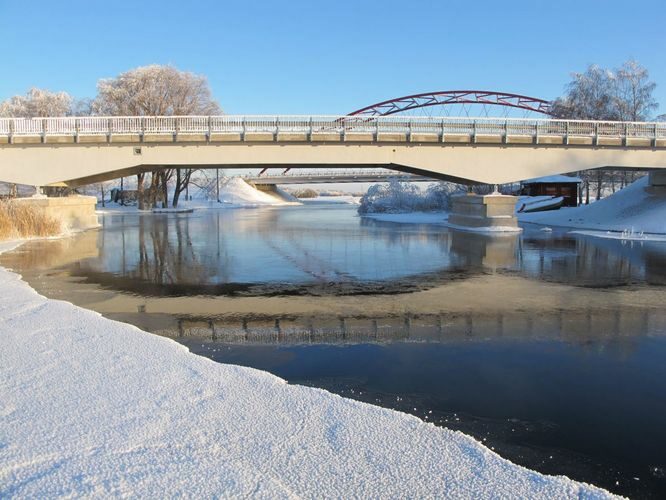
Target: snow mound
{"points": [[632, 209], [93, 407], [236, 191]]}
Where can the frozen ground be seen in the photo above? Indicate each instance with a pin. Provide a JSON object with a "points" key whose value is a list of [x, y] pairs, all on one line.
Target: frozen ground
{"points": [[633, 209], [93, 407]]}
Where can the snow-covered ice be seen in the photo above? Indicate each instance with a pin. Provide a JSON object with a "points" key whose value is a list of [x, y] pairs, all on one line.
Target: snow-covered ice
{"points": [[94, 407]]}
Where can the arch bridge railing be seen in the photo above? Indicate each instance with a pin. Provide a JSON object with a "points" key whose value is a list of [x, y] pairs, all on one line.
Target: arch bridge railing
{"points": [[328, 128]]}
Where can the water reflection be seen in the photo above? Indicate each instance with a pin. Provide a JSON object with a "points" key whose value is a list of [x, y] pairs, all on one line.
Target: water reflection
{"points": [[329, 251]]}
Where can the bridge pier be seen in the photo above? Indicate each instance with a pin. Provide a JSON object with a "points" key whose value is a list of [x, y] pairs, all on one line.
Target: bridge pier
{"points": [[492, 212]]}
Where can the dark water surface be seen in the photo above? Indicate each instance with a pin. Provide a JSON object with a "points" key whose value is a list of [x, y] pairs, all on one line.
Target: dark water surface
{"points": [[549, 347]]}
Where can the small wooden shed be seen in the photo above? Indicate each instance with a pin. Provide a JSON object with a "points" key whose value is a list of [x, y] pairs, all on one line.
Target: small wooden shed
{"points": [[554, 185]]}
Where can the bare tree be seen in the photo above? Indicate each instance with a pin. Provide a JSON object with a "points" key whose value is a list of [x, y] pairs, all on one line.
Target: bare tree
{"points": [[37, 103], [183, 177], [155, 91]]}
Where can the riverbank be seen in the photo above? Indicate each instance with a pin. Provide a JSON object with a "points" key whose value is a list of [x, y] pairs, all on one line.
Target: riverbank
{"points": [[96, 407], [634, 209]]}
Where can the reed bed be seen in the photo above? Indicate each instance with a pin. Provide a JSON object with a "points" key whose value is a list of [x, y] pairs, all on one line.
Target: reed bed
{"points": [[20, 220]]}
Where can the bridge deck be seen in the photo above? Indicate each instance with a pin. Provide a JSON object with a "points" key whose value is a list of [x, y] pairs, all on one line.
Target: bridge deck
{"points": [[165, 129]]}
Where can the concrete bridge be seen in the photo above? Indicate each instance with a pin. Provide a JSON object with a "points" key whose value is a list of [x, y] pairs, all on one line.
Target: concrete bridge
{"points": [[75, 151]]}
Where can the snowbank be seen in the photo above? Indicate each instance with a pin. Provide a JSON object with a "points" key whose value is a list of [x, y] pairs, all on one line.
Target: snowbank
{"points": [[93, 407], [632, 209]]}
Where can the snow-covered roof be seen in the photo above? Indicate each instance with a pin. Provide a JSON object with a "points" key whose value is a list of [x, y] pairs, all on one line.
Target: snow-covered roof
{"points": [[552, 179]]}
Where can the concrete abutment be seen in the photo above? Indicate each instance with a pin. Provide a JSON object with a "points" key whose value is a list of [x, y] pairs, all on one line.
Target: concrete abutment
{"points": [[495, 212]]}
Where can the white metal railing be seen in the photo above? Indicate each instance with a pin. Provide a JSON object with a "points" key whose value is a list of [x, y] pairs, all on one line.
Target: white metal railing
{"points": [[313, 125]]}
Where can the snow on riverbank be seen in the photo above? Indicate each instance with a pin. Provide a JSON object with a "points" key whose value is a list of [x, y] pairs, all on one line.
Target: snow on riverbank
{"points": [[234, 193], [632, 209], [94, 407]]}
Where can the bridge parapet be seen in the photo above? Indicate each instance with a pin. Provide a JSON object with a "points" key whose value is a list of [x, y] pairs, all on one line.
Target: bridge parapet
{"points": [[285, 129]]}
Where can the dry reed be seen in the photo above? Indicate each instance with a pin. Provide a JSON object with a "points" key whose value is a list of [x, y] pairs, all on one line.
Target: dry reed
{"points": [[19, 220]]}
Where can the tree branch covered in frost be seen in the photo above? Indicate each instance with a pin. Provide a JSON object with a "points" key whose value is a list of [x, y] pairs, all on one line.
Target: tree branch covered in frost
{"points": [[37, 103], [397, 196]]}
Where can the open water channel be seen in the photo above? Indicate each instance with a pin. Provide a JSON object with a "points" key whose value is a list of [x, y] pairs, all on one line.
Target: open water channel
{"points": [[549, 347]]}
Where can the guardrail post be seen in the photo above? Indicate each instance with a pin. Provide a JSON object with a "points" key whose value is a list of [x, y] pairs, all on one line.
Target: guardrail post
{"points": [[142, 127], [506, 131], [243, 129], [654, 135], [442, 138], [377, 129], [109, 129], [566, 133], [43, 130], [76, 130], [309, 131], [12, 128], [409, 130], [536, 132], [596, 134], [474, 131]]}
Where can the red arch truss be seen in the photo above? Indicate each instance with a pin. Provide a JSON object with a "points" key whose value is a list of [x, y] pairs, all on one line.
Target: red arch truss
{"points": [[415, 101]]}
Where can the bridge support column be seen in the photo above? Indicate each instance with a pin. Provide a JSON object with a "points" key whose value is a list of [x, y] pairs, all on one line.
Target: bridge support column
{"points": [[657, 182], [493, 212]]}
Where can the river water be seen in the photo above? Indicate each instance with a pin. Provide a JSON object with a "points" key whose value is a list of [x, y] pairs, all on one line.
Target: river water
{"points": [[549, 347]]}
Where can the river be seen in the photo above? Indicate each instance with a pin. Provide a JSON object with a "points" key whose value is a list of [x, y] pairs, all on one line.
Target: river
{"points": [[547, 346]]}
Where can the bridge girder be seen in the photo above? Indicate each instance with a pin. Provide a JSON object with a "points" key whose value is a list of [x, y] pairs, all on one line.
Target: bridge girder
{"points": [[488, 164]]}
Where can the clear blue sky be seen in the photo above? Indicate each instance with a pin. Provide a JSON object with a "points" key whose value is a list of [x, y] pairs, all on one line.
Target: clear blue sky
{"points": [[306, 57]]}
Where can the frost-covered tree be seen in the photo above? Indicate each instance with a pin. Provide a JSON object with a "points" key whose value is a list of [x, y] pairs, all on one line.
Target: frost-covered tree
{"points": [[155, 90], [624, 93], [397, 196], [633, 92], [37, 103]]}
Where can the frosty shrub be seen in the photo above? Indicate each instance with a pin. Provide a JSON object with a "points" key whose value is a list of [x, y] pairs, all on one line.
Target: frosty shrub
{"points": [[397, 196], [438, 195]]}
